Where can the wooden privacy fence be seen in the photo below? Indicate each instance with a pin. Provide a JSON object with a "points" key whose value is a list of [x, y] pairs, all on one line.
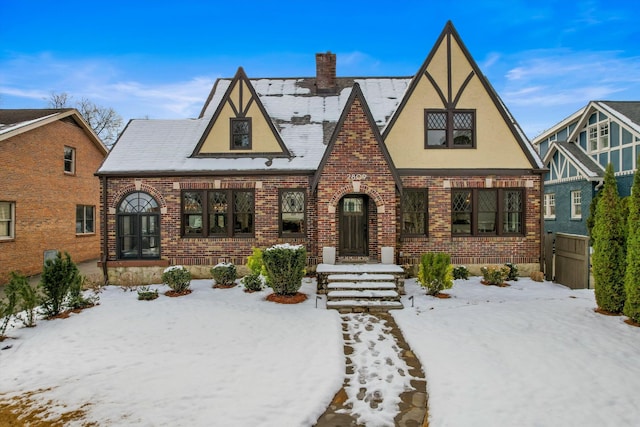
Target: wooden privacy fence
{"points": [[566, 260]]}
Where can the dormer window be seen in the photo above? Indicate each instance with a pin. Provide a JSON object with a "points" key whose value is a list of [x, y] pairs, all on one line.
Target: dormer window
{"points": [[240, 134]]}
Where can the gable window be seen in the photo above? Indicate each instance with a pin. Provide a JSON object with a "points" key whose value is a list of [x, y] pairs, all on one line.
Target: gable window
{"points": [[7, 220], [69, 160], [598, 136], [138, 227], [550, 205], [218, 213], [240, 133], [576, 204], [487, 212], [449, 128], [85, 219], [292, 213], [414, 212]]}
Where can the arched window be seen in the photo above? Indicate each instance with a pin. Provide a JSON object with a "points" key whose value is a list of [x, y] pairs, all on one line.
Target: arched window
{"points": [[138, 227]]}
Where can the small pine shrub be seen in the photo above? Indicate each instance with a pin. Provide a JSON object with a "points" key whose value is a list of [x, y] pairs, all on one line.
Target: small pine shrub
{"points": [[285, 267], [460, 272], [513, 271], [494, 274], [8, 306], [177, 278], [27, 300], [58, 277], [77, 298], [146, 294], [435, 272], [252, 282], [224, 274]]}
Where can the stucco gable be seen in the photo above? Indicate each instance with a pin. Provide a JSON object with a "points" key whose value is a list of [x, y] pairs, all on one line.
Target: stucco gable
{"points": [[449, 79], [240, 101]]}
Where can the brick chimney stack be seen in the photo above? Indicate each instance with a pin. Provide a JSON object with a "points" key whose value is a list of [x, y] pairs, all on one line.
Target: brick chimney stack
{"points": [[326, 72]]}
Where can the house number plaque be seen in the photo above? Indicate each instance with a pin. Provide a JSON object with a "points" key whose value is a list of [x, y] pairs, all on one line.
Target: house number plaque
{"points": [[357, 176]]}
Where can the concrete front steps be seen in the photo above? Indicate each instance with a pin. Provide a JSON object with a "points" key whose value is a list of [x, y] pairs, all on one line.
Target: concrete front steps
{"points": [[357, 288]]}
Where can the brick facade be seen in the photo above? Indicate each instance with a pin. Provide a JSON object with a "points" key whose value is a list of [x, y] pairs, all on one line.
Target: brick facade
{"points": [[45, 197]]}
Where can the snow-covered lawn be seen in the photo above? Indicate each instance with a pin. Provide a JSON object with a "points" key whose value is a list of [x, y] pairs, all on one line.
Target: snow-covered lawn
{"points": [[532, 354]]}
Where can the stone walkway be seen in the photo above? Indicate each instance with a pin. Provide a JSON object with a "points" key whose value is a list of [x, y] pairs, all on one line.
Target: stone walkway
{"points": [[413, 403]]}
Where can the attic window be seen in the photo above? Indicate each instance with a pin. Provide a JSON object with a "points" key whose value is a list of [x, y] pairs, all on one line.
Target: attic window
{"points": [[449, 128], [240, 133]]}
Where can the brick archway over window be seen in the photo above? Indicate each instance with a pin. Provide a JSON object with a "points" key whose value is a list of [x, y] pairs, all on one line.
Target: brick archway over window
{"points": [[123, 192], [363, 189]]}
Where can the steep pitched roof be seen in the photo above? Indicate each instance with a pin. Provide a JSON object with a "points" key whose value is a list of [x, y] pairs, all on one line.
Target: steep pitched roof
{"points": [[626, 112], [356, 94], [16, 121], [585, 165]]}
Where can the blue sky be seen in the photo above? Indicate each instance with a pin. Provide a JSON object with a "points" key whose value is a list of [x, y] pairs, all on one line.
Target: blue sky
{"points": [[159, 59]]}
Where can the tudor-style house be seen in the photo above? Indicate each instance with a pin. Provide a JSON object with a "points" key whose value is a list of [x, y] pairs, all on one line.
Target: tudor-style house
{"points": [[431, 162], [576, 152], [49, 196]]}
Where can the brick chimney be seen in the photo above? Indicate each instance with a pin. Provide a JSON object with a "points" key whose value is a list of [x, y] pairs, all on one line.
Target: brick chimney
{"points": [[326, 73]]}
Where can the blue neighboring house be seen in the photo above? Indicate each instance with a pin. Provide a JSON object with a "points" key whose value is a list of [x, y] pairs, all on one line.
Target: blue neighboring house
{"points": [[576, 152]]}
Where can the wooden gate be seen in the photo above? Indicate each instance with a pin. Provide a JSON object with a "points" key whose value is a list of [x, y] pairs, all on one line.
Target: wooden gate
{"points": [[567, 260]]}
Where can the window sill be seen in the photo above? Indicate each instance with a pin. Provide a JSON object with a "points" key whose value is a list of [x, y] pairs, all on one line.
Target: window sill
{"points": [[7, 239], [85, 234]]}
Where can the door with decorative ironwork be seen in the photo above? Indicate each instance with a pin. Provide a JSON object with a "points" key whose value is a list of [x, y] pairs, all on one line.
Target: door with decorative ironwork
{"points": [[353, 226]]}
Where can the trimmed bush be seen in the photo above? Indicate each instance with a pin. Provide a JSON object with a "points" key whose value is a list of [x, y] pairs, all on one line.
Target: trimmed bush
{"points": [[609, 249], [494, 274], [513, 271], [177, 278], [460, 272], [58, 277], [537, 276], [146, 294], [632, 275], [252, 282], [435, 272], [285, 268], [225, 274]]}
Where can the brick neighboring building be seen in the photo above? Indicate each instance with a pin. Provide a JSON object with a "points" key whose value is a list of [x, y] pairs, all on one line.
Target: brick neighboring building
{"points": [[49, 194], [431, 162]]}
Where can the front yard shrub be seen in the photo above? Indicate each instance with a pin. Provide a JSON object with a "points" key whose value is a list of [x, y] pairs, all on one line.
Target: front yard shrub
{"points": [[537, 276], [254, 261], [494, 274], [27, 300], [252, 282], [77, 299], [177, 278], [285, 267], [632, 275], [146, 294], [460, 272], [513, 271], [609, 248], [225, 274], [435, 272], [58, 276], [8, 306]]}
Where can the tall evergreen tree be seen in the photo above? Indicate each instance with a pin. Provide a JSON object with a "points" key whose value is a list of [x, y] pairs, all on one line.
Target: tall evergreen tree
{"points": [[609, 248], [632, 274]]}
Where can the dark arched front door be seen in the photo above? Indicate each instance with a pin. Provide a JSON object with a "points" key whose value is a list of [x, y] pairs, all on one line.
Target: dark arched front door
{"points": [[353, 225]]}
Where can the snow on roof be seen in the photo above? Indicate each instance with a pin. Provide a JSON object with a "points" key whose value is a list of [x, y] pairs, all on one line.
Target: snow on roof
{"points": [[303, 119], [8, 127]]}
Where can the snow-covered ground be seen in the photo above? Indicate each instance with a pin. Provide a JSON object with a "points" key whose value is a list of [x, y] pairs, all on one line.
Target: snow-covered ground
{"points": [[532, 354]]}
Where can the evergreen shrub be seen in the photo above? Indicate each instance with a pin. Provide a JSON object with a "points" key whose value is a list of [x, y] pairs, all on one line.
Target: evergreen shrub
{"points": [[435, 272], [224, 274], [513, 271], [494, 274], [631, 306], [27, 300], [609, 251], [252, 282], [460, 272], [59, 275], [146, 294], [285, 267], [177, 278]]}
